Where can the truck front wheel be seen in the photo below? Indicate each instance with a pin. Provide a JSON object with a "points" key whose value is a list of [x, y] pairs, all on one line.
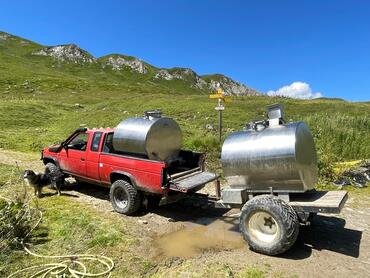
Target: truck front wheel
{"points": [[124, 197], [52, 169], [269, 225]]}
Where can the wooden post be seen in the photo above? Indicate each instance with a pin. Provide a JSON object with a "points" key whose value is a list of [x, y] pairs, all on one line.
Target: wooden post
{"points": [[219, 125], [219, 108], [220, 99]]}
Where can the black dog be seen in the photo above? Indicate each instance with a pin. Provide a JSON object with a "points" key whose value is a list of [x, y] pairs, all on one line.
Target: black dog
{"points": [[38, 181]]}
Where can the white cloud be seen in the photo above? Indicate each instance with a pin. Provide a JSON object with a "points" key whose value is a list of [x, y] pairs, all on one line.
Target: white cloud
{"points": [[297, 89]]}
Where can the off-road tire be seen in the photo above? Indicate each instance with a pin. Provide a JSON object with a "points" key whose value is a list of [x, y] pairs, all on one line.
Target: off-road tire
{"points": [[122, 192], [54, 171], [280, 214]]}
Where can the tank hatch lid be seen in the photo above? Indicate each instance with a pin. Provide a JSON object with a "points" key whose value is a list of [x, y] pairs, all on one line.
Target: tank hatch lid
{"points": [[275, 114], [275, 111]]}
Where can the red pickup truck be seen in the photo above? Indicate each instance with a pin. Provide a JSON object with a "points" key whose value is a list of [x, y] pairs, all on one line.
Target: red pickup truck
{"points": [[88, 155]]}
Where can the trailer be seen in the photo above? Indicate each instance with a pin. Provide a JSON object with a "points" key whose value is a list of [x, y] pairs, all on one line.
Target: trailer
{"points": [[270, 169]]}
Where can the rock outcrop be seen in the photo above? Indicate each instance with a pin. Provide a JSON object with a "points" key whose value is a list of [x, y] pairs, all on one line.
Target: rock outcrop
{"points": [[163, 74], [207, 82], [66, 53], [185, 74], [229, 86], [120, 62], [4, 36]]}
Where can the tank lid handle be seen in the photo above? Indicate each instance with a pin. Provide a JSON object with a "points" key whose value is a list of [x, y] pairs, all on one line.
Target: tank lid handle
{"points": [[151, 114]]}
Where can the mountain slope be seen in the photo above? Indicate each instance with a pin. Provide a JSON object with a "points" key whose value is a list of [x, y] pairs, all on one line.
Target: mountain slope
{"points": [[114, 68]]}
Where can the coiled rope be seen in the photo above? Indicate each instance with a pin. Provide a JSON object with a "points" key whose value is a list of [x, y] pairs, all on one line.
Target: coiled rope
{"points": [[71, 265]]}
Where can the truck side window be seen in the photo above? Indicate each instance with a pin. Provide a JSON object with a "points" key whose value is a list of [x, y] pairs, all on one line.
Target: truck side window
{"points": [[79, 143], [108, 144], [96, 141]]}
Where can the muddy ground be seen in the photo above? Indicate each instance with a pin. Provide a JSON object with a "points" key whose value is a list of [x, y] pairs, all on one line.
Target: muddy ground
{"points": [[333, 246]]}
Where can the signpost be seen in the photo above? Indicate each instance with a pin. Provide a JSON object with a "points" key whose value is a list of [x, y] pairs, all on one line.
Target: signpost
{"points": [[220, 107]]}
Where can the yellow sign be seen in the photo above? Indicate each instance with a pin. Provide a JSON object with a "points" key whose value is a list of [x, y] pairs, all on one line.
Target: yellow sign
{"points": [[221, 98], [219, 95]]}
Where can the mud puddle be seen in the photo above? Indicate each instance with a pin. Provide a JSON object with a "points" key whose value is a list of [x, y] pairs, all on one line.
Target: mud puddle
{"points": [[202, 236]]}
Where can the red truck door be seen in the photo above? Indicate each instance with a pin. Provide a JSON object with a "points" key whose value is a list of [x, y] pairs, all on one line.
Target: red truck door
{"points": [[93, 155], [73, 158]]}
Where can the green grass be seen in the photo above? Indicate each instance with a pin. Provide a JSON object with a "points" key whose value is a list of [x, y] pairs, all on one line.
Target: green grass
{"points": [[252, 272], [216, 269], [7, 174]]}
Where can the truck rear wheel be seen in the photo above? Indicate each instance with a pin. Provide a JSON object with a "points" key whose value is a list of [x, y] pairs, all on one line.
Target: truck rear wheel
{"points": [[269, 225], [124, 197]]}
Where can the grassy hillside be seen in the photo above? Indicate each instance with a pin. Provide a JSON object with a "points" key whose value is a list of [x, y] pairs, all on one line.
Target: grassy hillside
{"points": [[39, 97]]}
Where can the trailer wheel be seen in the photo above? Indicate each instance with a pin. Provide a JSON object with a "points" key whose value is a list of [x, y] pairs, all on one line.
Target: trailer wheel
{"points": [[269, 225], [124, 197]]}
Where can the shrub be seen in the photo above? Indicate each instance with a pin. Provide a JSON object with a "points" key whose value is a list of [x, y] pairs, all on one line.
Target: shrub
{"points": [[326, 169], [15, 223]]}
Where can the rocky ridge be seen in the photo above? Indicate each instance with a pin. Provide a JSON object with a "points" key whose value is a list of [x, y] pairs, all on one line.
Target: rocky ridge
{"points": [[4, 36], [120, 62], [185, 74], [72, 53], [66, 53], [207, 82], [231, 87]]}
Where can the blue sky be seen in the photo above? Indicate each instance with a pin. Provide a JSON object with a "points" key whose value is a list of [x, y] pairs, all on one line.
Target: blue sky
{"points": [[323, 45]]}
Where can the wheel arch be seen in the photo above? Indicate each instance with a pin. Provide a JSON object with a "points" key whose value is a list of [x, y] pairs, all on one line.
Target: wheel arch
{"points": [[48, 159], [121, 175]]}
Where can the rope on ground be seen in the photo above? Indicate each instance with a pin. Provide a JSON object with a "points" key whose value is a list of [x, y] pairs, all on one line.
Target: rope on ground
{"points": [[71, 265]]}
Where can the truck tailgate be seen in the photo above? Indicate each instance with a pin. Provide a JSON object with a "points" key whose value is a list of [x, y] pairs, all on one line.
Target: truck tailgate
{"points": [[192, 182]]}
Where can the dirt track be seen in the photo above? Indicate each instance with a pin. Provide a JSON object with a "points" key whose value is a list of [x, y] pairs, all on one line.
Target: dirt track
{"points": [[333, 246]]}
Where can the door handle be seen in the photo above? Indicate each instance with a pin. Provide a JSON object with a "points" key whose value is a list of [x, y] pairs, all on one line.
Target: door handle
{"points": [[82, 159]]}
